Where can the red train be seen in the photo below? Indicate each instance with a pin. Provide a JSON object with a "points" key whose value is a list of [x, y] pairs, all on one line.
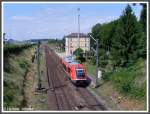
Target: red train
{"points": [[76, 71]]}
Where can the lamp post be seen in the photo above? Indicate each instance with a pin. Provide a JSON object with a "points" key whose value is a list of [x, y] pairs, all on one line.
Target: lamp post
{"points": [[97, 58], [78, 27]]}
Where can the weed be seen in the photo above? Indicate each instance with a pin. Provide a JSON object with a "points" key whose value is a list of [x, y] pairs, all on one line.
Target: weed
{"points": [[124, 79]]}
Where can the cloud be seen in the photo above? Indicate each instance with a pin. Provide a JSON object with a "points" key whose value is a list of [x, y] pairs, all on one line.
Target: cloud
{"points": [[54, 26], [55, 21], [22, 18]]}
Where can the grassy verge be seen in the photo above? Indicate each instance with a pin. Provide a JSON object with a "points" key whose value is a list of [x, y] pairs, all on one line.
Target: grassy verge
{"points": [[21, 80], [15, 67], [130, 81], [39, 100], [124, 88], [91, 69], [15, 49]]}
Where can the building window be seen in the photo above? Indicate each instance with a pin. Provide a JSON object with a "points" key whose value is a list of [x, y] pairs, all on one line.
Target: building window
{"points": [[70, 44]]}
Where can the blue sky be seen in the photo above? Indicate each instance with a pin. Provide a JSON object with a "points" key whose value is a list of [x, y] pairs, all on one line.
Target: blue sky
{"points": [[22, 21]]}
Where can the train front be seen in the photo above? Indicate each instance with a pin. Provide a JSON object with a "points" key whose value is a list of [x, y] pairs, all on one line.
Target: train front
{"points": [[81, 74]]}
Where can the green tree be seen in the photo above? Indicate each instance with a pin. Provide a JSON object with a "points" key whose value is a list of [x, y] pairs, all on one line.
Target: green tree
{"points": [[126, 41], [143, 16], [96, 33], [79, 54], [143, 22]]}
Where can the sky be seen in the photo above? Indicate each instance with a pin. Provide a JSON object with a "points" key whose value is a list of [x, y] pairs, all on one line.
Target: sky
{"points": [[23, 21]]}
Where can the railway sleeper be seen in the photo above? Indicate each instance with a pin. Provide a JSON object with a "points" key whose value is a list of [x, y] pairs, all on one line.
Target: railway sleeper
{"points": [[60, 86]]}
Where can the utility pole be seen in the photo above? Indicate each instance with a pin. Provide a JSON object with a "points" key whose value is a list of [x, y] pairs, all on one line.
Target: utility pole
{"points": [[97, 59], [4, 35], [78, 27], [38, 65]]}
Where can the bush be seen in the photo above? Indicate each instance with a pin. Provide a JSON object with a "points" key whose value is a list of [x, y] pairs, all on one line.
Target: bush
{"points": [[124, 79], [15, 49], [126, 87], [93, 60], [78, 52], [79, 55], [23, 64], [106, 76]]}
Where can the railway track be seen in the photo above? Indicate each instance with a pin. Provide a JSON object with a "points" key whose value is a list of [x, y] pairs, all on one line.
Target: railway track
{"points": [[57, 85], [91, 101], [63, 95]]}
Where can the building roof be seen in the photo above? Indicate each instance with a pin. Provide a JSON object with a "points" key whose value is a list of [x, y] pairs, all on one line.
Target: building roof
{"points": [[75, 35]]}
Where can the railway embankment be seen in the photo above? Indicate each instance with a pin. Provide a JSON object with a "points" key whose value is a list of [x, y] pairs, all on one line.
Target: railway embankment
{"points": [[21, 80], [17, 61], [123, 89]]}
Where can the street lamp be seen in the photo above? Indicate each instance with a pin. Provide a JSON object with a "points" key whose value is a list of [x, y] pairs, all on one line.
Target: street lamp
{"points": [[97, 58]]}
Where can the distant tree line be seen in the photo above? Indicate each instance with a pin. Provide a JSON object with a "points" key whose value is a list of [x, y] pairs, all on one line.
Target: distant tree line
{"points": [[58, 43], [122, 41], [15, 49]]}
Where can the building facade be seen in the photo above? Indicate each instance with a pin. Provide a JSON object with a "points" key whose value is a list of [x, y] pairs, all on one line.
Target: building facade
{"points": [[72, 42]]}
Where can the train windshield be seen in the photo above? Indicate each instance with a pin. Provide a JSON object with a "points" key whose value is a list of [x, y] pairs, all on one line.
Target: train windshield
{"points": [[80, 73]]}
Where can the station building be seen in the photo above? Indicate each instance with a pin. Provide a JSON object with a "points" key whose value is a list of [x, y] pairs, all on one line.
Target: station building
{"points": [[72, 42]]}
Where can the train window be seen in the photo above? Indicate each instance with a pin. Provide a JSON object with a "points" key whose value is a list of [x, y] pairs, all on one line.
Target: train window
{"points": [[80, 73]]}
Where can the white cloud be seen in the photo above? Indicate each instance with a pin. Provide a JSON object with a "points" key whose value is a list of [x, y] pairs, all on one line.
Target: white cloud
{"points": [[54, 26]]}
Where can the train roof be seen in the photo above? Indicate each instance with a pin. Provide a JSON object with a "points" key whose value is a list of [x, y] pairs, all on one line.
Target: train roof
{"points": [[70, 60], [73, 63]]}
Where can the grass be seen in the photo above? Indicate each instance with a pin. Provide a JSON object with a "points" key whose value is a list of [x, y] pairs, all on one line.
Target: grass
{"points": [[129, 81], [13, 84], [15, 66], [90, 68], [124, 88], [15, 94]]}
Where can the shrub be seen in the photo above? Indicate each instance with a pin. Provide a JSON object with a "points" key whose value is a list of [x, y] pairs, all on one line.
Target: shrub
{"points": [[126, 87], [15, 49], [106, 76], [23, 64], [78, 52], [79, 55], [126, 80]]}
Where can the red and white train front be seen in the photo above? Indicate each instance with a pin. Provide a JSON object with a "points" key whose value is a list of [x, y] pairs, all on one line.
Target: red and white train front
{"points": [[75, 70]]}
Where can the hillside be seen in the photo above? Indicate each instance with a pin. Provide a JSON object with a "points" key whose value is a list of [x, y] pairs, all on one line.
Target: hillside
{"points": [[123, 89], [130, 81], [17, 61]]}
